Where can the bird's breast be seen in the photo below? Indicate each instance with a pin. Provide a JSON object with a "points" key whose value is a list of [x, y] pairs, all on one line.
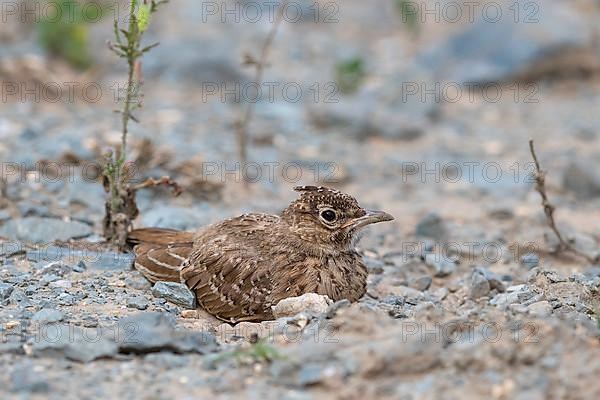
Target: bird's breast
{"points": [[339, 277]]}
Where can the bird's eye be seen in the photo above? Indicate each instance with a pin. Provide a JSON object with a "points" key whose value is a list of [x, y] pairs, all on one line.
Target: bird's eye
{"points": [[328, 215]]}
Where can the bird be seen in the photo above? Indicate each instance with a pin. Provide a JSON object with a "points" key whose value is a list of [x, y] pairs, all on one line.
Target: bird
{"points": [[240, 267]]}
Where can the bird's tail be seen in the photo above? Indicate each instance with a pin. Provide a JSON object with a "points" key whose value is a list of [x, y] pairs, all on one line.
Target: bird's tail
{"points": [[160, 253]]}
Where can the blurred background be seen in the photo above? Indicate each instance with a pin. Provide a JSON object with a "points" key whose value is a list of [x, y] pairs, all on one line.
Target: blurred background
{"points": [[414, 107]]}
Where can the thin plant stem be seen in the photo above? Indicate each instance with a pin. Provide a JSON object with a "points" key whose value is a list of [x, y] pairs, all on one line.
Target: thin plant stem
{"points": [[261, 63], [549, 208]]}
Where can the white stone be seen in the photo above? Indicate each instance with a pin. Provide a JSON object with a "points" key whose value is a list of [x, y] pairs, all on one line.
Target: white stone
{"points": [[540, 309], [309, 302]]}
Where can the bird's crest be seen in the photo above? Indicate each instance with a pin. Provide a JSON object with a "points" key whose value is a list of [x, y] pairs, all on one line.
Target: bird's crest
{"points": [[312, 197]]}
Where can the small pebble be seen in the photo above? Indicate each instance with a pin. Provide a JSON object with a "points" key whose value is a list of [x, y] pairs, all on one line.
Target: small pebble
{"points": [[540, 309], [480, 287], [80, 267], [48, 278], [66, 299], [440, 265], [5, 291], [530, 261], [138, 282], [189, 314], [176, 293], [138, 302], [422, 283], [48, 315], [12, 325], [64, 284]]}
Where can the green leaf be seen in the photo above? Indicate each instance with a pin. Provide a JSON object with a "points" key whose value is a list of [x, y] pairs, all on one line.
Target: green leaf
{"points": [[143, 17], [350, 74]]}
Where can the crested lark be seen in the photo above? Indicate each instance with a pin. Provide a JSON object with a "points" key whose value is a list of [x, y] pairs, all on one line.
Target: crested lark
{"points": [[242, 266]]}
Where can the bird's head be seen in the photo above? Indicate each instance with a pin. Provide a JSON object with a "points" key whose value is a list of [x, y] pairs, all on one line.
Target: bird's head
{"points": [[328, 218]]}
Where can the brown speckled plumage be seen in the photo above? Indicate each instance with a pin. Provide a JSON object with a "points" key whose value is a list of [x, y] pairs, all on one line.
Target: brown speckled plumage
{"points": [[242, 266]]}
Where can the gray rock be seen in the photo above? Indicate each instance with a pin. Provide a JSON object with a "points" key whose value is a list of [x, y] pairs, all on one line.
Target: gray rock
{"points": [[44, 230], [62, 283], [479, 287], [440, 265], [80, 267], [19, 278], [138, 282], [65, 299], [540, 309], [431, 226], [48, 315], [404, 294], [5, 291], [75, 343], [530, 261], [493, 279], [582, 178], [55, 268], [517, 294], [18, 297], [31, 289], [335, 307], [176, 293], [154, 332], [49, 278], [422, 283], [139, 302]]}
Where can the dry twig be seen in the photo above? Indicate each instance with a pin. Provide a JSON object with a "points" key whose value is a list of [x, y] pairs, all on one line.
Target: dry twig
{"points": [[165, 180], [540, 187], [241, 125]]}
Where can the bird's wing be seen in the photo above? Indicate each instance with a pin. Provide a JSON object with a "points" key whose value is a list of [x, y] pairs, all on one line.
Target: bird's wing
{"points": [[159, 236], [231, 273]]}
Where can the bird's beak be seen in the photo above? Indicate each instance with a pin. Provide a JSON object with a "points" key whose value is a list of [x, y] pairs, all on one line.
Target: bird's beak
{"points": [[371, 217]]}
